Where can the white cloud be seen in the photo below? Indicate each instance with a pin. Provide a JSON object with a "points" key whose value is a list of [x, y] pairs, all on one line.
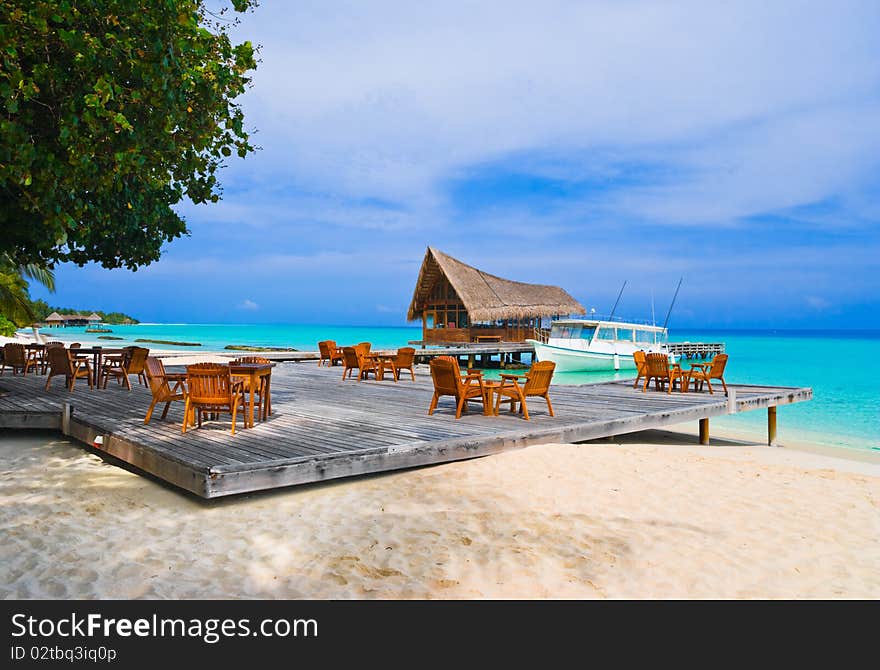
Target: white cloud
{"points": [[249, 305], [762, 105], [818, 303]]}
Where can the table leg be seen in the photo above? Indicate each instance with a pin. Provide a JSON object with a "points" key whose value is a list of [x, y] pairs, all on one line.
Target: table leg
{"points": [[251, 409], [268, 399], [96, 362]]}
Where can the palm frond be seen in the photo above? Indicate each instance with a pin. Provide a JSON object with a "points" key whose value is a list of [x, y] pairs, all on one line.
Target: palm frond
{"points": [[40, 274]]}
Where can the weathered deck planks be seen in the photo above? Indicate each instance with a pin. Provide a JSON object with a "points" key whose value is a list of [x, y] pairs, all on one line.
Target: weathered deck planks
{"points": [[324, 428]]}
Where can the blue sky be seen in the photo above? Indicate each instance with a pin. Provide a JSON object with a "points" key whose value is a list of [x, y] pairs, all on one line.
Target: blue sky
{"points": [[572, 143]]}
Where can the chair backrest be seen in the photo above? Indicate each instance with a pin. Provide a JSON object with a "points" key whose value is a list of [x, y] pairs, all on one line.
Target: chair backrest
{"points": [[14, 354], [445, 375], [639, 358], [350, 357], [718, 364], [75, 345], [324, 348], [657, 365], [538, 378], [209, 383], [136, 360], [363, 347], [405, 356], [451, 359], [59, 361], [154, 369]]}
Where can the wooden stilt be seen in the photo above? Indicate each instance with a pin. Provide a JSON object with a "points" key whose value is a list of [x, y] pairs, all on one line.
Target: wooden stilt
{"points": [[704, 431], [771, 425]]}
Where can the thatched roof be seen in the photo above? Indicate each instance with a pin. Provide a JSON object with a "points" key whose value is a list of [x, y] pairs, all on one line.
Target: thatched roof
{"points": [[487, 297], [54, 316], [93, 317]]}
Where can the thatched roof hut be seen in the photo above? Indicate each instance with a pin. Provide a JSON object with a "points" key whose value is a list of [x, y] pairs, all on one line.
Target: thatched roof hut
{"points": [[466, 297], [54, 317], [94, 317]]}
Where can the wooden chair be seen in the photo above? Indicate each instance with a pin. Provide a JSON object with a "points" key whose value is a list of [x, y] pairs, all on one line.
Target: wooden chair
{"points": [[448, 380], [354, 359], [15, 356], [44, 358], [63, 362], [130, 363], [403, 361], [211, 389], [329, 352], [363, 347], [162, 391], [264, 409], [639, 358], [699, 375], [657, 367], [537, 385]]}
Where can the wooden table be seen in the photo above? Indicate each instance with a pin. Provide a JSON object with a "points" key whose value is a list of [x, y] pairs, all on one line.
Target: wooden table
{"points": [[687, 383], [489, 390], [383, 361], [255, 373], [97, 354], [487, 338], [33, 354]]}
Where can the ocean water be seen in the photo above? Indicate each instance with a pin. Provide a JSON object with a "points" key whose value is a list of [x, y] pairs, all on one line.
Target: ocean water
{"points": [[842, 367]]}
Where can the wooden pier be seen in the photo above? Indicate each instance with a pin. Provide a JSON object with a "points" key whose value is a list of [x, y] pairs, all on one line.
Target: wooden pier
{"points": [[471, 354], [692, 350], [323, 428]]}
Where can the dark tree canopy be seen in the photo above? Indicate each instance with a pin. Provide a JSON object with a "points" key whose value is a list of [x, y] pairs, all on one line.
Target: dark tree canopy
{"points": [[112, 111]]}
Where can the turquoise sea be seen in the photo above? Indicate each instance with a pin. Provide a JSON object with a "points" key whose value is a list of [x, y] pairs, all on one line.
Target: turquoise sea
{"points": [[841, 366]]}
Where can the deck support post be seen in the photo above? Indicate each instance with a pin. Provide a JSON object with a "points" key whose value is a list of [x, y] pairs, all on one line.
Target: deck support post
{"points": [[771, 425], [704, 431], [471, 360], [65, 419]]}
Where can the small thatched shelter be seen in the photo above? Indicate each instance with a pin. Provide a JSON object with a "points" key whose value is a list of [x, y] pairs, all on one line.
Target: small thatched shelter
{"points": [[94, 318], [54, 320], [460, 303]]}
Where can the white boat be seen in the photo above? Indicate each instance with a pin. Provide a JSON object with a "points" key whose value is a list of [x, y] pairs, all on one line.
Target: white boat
{"points": [[577, 345]]}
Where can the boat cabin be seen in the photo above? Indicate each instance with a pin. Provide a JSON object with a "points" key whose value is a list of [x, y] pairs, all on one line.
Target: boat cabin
{"points": [[610, 331]]}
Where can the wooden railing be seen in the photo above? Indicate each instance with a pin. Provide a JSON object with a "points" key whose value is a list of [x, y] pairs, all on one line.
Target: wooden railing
{"points": [[541, 334]]}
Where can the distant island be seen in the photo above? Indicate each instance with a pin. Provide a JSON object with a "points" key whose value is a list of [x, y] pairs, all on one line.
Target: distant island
{"points": [[42, 309]]}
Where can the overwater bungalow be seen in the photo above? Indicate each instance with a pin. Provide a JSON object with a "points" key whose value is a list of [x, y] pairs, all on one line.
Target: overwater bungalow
{"points": [[56, 320], [459, 303]]}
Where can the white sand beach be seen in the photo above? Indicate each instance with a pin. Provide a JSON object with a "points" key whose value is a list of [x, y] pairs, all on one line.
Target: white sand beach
{"points": [[648, 516]]}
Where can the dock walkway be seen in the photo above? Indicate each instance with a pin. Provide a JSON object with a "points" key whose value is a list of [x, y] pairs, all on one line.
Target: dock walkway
{"points": [[323, 428]]}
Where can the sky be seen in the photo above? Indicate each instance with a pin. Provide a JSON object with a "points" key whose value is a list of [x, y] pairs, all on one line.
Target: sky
{"points": [[581, 144]]}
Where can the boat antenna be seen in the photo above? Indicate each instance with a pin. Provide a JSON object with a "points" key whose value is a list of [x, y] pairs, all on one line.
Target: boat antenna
{"points": [[653, 316], [613, 309], [672, 303]]}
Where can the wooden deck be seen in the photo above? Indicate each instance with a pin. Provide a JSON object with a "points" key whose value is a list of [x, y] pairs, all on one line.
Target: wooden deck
{"points": [[324, 428]]}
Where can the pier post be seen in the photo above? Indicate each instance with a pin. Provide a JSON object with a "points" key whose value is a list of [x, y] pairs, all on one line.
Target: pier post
{"points": [[65, 419], [704, 431], [771, 426], [471, 360]]}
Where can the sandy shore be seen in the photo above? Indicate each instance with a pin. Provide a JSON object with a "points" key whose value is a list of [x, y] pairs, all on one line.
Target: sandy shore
{"points": [[651, 516]]}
